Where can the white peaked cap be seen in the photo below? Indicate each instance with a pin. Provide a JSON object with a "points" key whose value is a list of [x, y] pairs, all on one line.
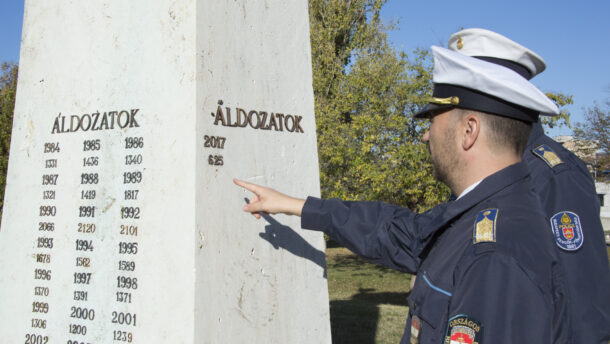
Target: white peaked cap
{"points": [[484, 86], [488, 44]]}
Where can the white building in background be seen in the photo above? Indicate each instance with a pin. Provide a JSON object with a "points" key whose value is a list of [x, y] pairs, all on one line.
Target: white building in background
{"points": [[603, 191]]}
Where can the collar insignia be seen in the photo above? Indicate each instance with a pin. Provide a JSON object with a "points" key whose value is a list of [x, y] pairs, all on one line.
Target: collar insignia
{"points": [[485, 226], [567, 230], [545, 153]]}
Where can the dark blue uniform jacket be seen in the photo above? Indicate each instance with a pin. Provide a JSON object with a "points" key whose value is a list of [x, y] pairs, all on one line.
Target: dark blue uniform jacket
{"points": [[565, 185], [486, 263]]}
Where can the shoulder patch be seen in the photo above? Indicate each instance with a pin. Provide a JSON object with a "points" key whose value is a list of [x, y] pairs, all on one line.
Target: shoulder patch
{"points": [[567, 230], [463, 329], [545, 153], [485, 226]]}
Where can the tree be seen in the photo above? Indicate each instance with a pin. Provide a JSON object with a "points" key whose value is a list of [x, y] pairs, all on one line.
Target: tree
{"points": [[561, 100], [8, 86], [365, 92], [594, 137]]}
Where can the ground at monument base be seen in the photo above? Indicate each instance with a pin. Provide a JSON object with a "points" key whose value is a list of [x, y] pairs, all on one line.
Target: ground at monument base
{"points": [[367, 302]]}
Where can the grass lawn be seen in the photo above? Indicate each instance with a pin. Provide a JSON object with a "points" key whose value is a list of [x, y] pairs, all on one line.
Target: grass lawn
{"points": [[367, 302]]}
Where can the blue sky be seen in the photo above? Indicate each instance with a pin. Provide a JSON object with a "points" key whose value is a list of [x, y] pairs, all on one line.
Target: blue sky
{"points": [[572, 36]]}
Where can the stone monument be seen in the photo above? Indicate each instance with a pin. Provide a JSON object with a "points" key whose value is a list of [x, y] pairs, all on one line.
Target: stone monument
{"points": [[121, 223]]}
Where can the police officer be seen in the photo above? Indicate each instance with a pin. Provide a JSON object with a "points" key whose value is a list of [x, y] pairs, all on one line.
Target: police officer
{"points": [[566, 191], [486, 264]]}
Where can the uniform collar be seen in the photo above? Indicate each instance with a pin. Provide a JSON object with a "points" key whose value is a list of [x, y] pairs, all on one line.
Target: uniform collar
{"points": [[537, 132], [468, 189], [488, 187]]}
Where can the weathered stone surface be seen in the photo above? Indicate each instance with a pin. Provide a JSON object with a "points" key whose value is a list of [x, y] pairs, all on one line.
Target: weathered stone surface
{"points": [[121, 217]]}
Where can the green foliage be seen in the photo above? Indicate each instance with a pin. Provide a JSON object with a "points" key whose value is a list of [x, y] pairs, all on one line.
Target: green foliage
{"points": [[594, 137], [369, 145], [561, 100], [8, 86]]}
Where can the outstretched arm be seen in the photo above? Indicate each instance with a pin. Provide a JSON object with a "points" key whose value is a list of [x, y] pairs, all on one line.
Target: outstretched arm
{"points": [[267, 200]]}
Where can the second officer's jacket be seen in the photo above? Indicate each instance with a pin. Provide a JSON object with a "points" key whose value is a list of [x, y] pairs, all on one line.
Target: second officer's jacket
{"points": [[568, 198], [487, 270]]}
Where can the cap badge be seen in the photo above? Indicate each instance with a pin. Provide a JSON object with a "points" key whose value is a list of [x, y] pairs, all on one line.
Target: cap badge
{"points": [[567, 230], [460, 43], [485, 226], [463, 329], [443, 101], [545, 153]]}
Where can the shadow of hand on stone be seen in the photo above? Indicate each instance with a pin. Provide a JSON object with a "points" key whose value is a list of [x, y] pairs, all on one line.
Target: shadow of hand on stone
{"points": [[281, 236]]}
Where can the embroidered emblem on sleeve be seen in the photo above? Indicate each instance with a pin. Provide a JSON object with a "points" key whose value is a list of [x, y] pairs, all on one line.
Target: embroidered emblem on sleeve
{"points": [[415, 328], [545, 153], [567, 230], [463, 329], [485, 226]]}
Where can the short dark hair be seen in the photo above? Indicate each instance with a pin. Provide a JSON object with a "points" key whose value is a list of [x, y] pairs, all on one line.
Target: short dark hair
{"points": [[507, 133]]}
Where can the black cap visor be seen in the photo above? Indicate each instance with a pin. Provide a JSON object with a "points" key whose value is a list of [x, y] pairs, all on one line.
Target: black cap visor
{"points": [[478, 101]]}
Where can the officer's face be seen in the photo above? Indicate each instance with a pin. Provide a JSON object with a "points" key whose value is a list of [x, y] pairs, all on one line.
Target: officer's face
{"points": [[440, 138]]}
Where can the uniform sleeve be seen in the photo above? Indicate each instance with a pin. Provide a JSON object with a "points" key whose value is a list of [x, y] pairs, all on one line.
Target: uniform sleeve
{"points": [[381, 233], [587, 266], [495, 300]]}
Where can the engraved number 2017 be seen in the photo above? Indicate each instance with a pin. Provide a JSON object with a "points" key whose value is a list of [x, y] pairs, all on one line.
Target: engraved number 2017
{"points": [[214, 141]]}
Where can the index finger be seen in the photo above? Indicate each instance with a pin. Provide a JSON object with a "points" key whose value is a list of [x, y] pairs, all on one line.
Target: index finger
{"points": [[248, 186]]}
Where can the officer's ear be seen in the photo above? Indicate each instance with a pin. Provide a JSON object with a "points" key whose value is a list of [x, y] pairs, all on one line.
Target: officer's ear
{"points": [[470, 129]]}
